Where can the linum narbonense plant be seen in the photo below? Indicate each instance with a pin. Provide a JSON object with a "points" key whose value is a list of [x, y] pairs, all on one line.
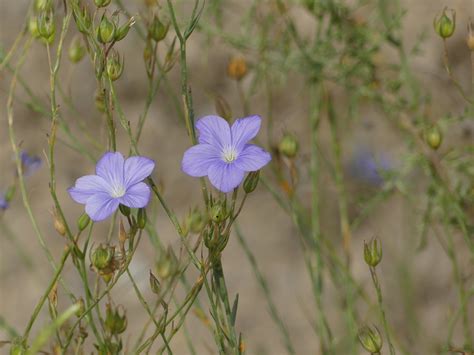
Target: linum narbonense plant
{"points": [[329, 48]]}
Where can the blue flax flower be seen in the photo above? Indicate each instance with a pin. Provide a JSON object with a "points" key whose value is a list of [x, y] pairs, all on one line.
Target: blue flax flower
{"points": [[3, 203], [30, 163], [117, 181], [367, 168], [223, 153]]}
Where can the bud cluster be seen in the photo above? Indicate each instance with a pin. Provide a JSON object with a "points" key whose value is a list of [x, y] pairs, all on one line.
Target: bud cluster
{"points": [[104, 262]]}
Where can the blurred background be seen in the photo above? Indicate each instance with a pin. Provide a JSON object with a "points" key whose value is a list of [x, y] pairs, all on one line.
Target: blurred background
{"points": [[417, 281]]}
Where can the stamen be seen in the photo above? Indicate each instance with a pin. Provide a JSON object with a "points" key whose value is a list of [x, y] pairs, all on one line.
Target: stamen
{"points": [[229, 154], [117, 191]]}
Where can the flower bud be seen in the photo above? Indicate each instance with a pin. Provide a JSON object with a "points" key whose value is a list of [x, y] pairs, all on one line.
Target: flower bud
{"points": [[33, 27], [114, 66], [122, 31], [218, 213], [10, 193], [17, 349], [115, 320], [100, 103], [194, 222], [46, 26], [197, 221], [102, 257], [81, 307], [251, 181], [445, 23], [83, 221], [470, 36], [107, 277], [148, 57], [76, 50], [106, 30], [433, 137], [373, 252], [141, 218], [288, 146], [43, 5], [102, 3], [157, 30], [167, 264], [370, 339], [125, 210], [222, 107], [237, 68], [59, 224], [83, 20], [154, 284]]}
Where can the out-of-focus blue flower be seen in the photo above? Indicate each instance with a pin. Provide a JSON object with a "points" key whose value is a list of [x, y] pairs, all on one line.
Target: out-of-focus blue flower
{"points": [[3, 203], [367, 168], [30, 163], [223, 153], [117, 181]]}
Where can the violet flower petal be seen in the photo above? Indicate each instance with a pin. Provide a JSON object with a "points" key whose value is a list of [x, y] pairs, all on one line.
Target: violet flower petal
{"points": [[111, 167], [100, 206], [214, 130], [245, 129], [225, 176], [137, 196], [31, 163], [87, 186], [252, 158], [197, 159], [137, 169], [3, 203]]}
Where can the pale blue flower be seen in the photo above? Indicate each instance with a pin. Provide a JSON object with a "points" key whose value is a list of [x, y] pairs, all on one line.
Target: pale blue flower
{"points": [[223, 153], [117, 181]]}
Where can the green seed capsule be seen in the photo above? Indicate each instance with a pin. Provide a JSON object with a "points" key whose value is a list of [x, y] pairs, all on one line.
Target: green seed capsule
{"points": [[373, 252], [46, 26], [102, 257], [288, 146], [115, 320], [445, 23], [114, 66], [218, 213], [76, 50], [157, 29], [434, 137], [122, 31], [370, 339], [106, 30]]}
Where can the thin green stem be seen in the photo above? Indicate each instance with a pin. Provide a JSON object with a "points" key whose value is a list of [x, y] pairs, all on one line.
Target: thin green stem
{"points": [[378, 289]]}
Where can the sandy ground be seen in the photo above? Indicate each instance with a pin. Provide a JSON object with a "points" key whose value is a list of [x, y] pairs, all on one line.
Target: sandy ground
{"points": [[268, 230]]}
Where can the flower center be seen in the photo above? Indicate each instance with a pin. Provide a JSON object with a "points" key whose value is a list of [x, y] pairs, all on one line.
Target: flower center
{"points": [[117, 191], [229, 154]]}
